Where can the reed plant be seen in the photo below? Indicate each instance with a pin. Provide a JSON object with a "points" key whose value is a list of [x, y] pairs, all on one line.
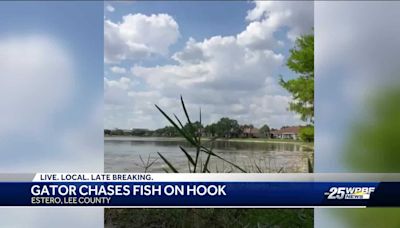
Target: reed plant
{"points": [[194, 138]]}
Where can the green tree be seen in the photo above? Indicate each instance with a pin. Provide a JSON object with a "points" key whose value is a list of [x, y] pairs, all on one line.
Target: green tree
{"points": [[196, 125], [211, 129], [307, 133], [117, 132], [226, 127], [264, 130], [301, 61], [166, 131]]}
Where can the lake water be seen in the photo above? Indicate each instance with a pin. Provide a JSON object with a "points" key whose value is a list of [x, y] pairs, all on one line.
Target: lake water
{"points": [[131, 154]]}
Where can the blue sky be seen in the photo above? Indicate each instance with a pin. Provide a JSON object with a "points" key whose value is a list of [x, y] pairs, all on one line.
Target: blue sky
{"points": [[197, 19], [186, 51], [63, 21], [64, 32], [51, 96]]}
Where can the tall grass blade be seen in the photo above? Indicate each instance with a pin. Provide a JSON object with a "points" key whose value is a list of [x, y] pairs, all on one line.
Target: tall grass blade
{"points": [[188, 119], [151, 163], [223, 159], [190, 167], [179, 121], [211, 140], [165, 170], [198, 147], [187, 155], [141, 159], [205, 168], [168, 163], [258, 167], [194, 143], [183, 128], [310, 166], [200, 116], [195, 140], [197, 157]]}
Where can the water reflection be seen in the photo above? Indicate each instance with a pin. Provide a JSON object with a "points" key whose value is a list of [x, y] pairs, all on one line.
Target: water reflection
{"points": [[130, 155]]}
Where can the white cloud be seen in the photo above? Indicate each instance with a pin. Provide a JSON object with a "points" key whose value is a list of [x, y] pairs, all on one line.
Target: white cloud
{"points": [[110, 8], [223, 65], [116, 91], [36, 87], [37, 78], [297, 16], [234, 76], [192, 53], [267, 17], [118, 70], [139, 36], [224, 78]]}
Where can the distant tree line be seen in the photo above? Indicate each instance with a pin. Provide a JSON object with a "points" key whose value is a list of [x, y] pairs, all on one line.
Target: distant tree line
{"points": [[133, 132], [224, 128]]}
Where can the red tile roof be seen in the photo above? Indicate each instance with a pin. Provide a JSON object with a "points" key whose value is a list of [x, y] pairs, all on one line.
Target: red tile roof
{"points": [[287, 130], [250, 130]]}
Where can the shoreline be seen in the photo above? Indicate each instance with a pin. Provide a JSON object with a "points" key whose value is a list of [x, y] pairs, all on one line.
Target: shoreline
{"points": [[244, 140]]}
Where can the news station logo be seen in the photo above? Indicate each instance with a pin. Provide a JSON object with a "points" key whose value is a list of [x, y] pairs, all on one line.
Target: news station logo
{"points": [[350, 193]]}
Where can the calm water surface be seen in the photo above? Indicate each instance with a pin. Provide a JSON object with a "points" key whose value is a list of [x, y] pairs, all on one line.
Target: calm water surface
{"points": [[130, 154]]}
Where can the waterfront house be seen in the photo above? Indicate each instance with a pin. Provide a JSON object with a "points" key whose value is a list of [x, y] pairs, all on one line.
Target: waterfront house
{"points": [[286, 133], [251, 132]]}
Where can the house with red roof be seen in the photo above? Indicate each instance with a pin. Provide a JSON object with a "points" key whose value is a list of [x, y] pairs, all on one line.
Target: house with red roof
{"points": [[286, 133]]}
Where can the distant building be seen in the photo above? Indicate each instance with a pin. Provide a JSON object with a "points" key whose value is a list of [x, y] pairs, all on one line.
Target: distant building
{"points": [[286, 133], [251, 132]]}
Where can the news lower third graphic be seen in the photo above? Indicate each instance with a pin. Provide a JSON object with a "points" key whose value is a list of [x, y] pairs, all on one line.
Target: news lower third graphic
{"points": [[198, 190]]}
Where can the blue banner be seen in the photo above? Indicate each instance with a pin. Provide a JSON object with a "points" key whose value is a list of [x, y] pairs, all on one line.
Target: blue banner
{"points": [[198, 194]]}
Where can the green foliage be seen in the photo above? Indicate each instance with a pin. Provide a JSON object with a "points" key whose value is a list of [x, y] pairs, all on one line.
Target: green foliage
{"points": [[168, 131], [133, 132], [310, 165], [373, 147], [307, 133], [265, 130], [226, 127], [211, 129], [196, 127], [370, 217], [140, 132], [116, 132], [189, 132], [301, 61], [301, 58], [374, 143]]}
